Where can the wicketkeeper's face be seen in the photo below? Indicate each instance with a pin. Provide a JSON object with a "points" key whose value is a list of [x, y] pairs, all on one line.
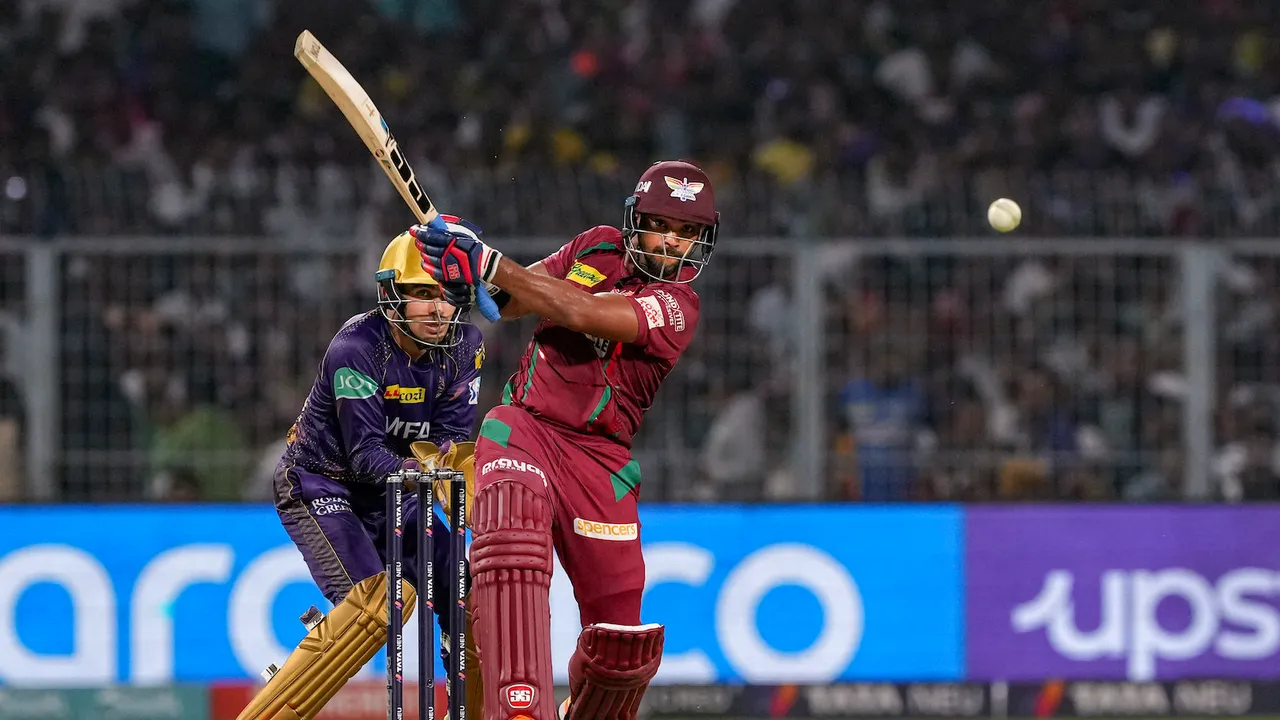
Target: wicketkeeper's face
{"points": [[427, 312], [666, 241]]}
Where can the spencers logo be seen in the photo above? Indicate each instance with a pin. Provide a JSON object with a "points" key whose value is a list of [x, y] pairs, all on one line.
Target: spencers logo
{"points": [[618, 532]]}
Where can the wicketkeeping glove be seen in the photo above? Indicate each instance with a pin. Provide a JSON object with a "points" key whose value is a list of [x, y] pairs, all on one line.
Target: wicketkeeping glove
{"points": [[460, 456], [454, 254]]}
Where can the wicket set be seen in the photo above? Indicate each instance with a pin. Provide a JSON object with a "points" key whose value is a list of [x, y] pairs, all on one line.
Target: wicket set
{"points": [[397, 483]]}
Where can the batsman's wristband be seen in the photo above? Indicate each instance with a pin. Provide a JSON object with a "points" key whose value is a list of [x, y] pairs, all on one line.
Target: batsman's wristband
{"points": [[489, 259]]}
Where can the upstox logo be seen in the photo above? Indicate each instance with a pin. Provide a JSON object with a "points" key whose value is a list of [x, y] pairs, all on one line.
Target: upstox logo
{"points": [[584, 274], [405, 395], [353, 384], [618, 532], [1232, 617]]}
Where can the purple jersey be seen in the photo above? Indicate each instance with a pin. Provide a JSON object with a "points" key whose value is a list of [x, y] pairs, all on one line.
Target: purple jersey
{"points": [[595, 386], [370, 402]]}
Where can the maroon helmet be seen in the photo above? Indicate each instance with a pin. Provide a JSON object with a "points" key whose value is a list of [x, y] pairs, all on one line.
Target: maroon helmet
{"points": [[679, 190]]}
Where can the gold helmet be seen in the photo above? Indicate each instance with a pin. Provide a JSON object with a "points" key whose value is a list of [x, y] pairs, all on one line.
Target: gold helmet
{"points": [[401, 269]]}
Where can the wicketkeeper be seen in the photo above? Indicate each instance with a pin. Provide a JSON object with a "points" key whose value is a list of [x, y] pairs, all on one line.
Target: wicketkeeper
{"points": [[398, 383]]}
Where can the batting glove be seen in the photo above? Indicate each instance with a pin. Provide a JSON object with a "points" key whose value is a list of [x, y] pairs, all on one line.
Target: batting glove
{"points": [[459, 294], [455, 253]]}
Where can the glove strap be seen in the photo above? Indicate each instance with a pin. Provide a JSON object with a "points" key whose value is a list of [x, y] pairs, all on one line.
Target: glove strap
{"points": [[489, 259]]}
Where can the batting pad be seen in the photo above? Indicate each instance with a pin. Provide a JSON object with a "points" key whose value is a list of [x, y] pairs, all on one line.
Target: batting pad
{"points": [[330, 655], [611, 668], [511, 585]]}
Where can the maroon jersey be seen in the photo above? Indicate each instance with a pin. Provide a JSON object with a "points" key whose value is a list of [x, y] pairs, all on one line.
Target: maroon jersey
{"points": [[595, 386]]}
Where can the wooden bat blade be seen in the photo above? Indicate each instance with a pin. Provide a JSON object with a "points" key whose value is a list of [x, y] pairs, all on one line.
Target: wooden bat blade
{"points": [[364, 117], [367, 121]]}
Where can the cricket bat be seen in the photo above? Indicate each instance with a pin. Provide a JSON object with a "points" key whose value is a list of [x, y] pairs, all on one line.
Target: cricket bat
{"points": [[369, 124]]}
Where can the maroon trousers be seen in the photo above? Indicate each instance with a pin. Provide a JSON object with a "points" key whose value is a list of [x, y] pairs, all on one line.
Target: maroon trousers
{"points": [[538, 487]]}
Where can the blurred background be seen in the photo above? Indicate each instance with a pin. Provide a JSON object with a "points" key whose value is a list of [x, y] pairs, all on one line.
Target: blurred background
{"points": [[186, 219]]}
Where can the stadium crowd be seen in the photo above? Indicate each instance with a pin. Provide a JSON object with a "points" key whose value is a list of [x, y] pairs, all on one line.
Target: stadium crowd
{"points": [[949, 377]]}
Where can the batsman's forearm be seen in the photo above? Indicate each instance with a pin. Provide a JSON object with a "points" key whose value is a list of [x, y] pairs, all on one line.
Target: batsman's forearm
{"points": [[550, 298]]}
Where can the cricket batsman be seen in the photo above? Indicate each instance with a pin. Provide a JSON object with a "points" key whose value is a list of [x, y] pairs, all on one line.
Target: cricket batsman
{"points": [[553, 462], [396, 385]]}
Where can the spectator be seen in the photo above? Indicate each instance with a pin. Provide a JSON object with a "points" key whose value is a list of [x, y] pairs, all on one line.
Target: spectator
{"points": [[218, 138], [734, 458], [883, 410], [1248, 468], [11, 418], [198, 453], [1043, 440], [961, 463], [1130, 121], [120, 119]]}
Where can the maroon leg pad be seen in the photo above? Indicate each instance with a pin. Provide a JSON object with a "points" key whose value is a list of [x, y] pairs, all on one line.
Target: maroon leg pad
{"points": [[511, 581], [611, 669]]}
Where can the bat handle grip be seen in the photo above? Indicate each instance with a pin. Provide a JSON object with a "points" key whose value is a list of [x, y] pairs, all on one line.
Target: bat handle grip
{"points": [[488, 307]]}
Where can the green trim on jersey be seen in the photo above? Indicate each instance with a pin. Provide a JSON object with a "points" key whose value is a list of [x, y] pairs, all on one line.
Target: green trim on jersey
{"points": [[495, 431], [625, 480], [604, 400], [600, 246], [606, 396], [533, 365], [506, 392]]}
